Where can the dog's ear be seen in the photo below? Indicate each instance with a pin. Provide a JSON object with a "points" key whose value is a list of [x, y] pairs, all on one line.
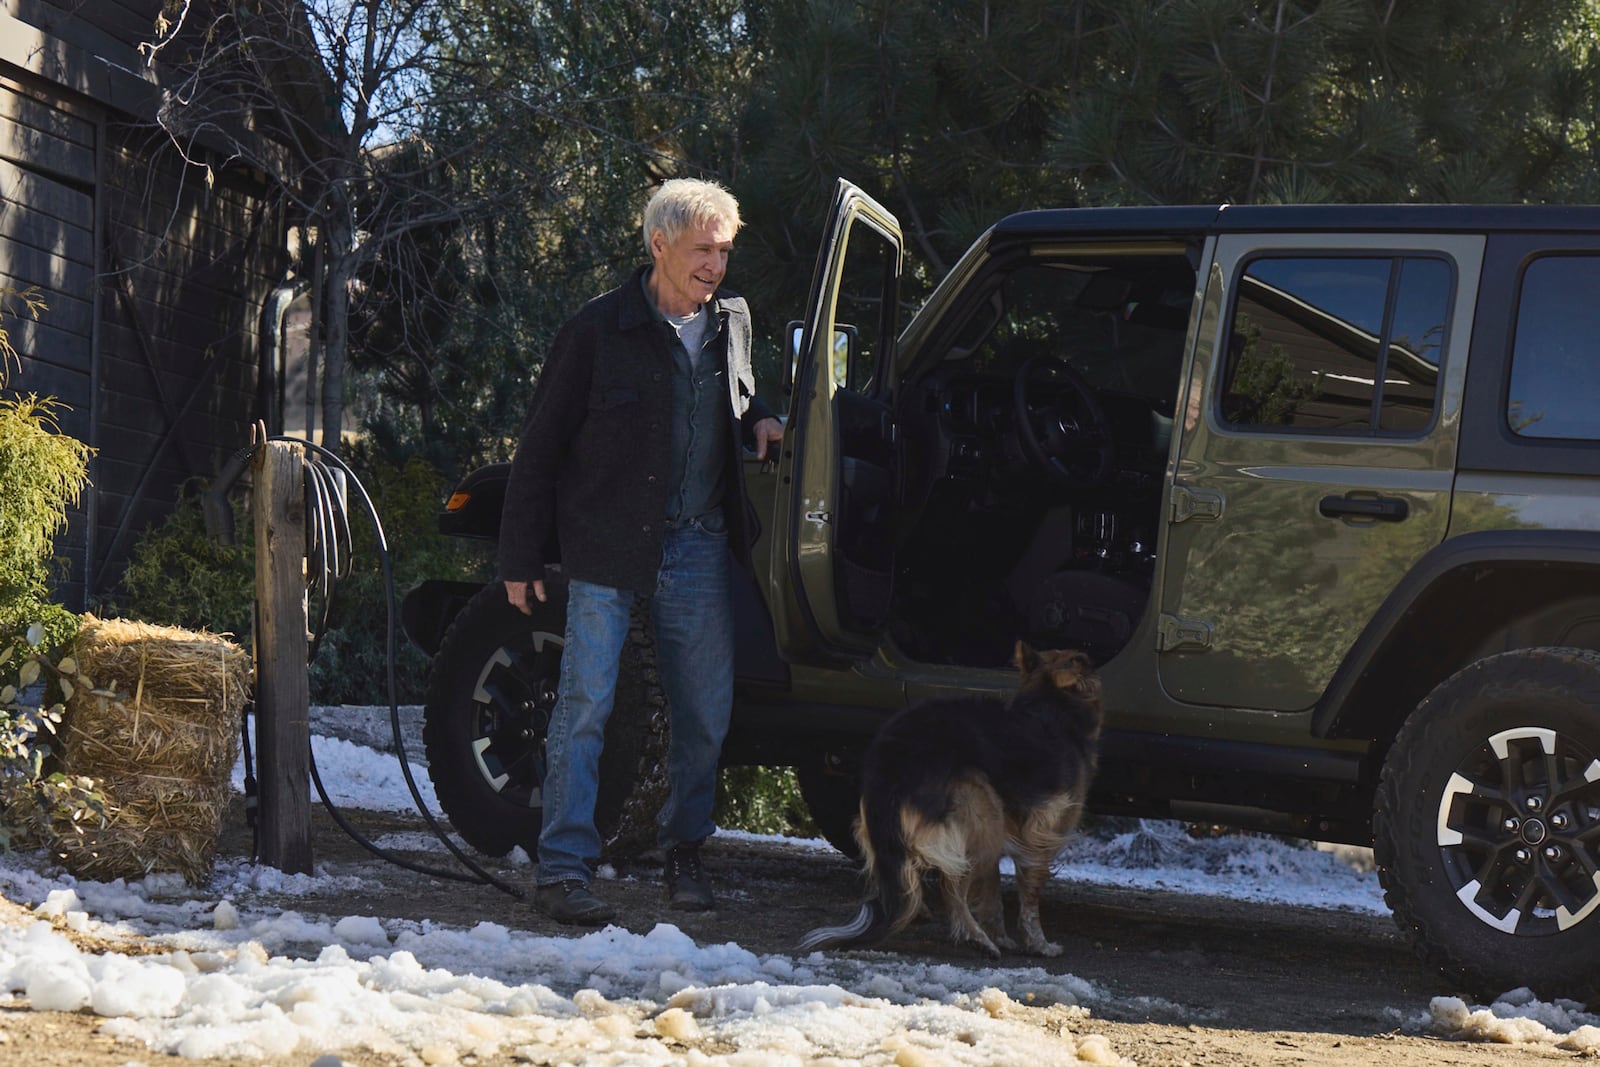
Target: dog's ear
{"points": [[1026, 659]]}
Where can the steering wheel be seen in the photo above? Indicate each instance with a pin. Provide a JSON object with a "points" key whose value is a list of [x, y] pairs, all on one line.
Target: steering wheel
{"points": [[1066, 434]]}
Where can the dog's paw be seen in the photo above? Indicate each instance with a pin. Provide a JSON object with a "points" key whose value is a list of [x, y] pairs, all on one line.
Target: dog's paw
{"points": [[1006, 942], [1044, 948], [978, 940]]}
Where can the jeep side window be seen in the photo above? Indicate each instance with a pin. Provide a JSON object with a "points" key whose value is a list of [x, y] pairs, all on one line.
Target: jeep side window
{"points": [[1555, 356], [1416, 339], [1336, 344]]}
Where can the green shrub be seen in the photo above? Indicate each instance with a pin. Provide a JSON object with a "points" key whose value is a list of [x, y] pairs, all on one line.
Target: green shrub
{"points": [[179, 575], [763, 800], [42, 473]]}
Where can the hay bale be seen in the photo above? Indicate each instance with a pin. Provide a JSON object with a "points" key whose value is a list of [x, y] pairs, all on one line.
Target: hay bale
{"points": [[160, 750]]}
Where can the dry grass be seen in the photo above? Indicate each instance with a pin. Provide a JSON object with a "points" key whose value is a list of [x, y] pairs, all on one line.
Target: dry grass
{"points": [[160, 750]]}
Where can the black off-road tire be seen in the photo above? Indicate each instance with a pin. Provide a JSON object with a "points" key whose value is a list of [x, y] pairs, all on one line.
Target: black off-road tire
{"points": [[1487, 824], [834, 799], [491, 691]]}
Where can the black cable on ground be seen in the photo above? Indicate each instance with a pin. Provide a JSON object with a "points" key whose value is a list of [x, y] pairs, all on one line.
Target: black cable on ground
{"points": [[329, 532]]}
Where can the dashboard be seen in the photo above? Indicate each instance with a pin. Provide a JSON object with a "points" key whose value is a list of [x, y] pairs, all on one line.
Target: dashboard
{"points": [[976, 419]]}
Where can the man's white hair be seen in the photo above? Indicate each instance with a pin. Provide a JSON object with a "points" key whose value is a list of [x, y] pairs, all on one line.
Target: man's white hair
{"points": [[688, 202]]}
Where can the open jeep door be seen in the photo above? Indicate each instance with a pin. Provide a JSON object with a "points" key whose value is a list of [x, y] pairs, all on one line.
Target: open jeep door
{"points": [[832, 569]]}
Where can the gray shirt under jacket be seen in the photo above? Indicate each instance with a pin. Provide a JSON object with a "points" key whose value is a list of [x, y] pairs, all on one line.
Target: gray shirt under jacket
{"points": [[591, 482], [700, 435]]}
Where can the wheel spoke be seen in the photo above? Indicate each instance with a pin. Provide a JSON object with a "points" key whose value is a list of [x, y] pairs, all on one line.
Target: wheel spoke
{"points": [[1511, 769], [498, 699], [1455, 818], [1469, 894], [500, 660], [1568, 917], [1554, 779], [524, 763], [1572, 788], [497, 782], [1556, 888], [1528, 897], [1499, 866], [1473, 841]]}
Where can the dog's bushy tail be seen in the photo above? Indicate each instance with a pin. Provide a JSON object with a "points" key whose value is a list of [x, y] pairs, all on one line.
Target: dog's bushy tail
{"points": [[868, 928], [893, 880]]}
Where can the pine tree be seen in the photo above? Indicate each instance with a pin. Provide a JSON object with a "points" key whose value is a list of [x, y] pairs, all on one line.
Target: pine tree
{"points": [[954, 114]]}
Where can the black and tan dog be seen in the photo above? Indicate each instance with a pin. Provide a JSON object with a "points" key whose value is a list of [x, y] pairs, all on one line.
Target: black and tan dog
{"points": [[949, 786]]}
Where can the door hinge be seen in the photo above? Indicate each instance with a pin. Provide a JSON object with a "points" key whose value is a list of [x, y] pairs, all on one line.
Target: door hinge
{"points": [[1199, 504], [1174, 633]]}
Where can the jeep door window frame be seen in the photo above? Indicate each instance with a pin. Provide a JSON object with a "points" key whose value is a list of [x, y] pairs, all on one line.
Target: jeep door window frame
{"points": [[1322, 366], [1488, 442]]}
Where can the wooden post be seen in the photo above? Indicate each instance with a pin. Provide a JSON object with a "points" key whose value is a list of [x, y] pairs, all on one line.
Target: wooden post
{"points": [[283, 694]]}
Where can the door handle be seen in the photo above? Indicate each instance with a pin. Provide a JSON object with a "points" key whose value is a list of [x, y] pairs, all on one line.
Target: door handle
{"points": [[1376, 508]]}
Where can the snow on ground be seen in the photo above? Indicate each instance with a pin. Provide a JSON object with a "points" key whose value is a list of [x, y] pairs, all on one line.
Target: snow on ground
{"points": [[240, 978], [1516, 1018]]}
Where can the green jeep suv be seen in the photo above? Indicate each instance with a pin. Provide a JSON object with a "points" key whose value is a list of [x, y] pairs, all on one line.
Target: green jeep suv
{"points": [[1317, 487]]}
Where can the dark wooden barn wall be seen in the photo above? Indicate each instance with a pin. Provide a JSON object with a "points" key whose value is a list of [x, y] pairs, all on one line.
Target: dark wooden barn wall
{"points": [[154, 277], [187, 267], [47, 245]]}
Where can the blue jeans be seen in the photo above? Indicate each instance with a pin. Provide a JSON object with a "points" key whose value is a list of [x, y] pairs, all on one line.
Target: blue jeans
{"points": [[692, 611]]}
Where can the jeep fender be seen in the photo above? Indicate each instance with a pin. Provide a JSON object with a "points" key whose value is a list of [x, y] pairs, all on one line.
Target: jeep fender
{"points": [[428, 610], [1469, 597], [474, 506]]}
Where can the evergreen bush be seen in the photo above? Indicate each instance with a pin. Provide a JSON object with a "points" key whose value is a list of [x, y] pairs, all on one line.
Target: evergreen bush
{"points": [[763, 800], [178, 574], [42, 473]]}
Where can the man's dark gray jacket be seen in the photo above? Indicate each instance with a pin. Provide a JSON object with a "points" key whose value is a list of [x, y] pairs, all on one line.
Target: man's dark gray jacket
{"points": [[592, 467]]}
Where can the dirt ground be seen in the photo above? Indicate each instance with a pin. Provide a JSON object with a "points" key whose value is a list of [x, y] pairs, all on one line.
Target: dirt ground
{"points": [[1195, 981]]}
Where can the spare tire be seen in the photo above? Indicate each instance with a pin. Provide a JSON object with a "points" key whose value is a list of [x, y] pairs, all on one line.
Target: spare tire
{"points": [[491, 690]]}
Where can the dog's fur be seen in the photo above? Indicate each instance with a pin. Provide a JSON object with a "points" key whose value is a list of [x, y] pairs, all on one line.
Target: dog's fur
{"points": [[949, 786]]}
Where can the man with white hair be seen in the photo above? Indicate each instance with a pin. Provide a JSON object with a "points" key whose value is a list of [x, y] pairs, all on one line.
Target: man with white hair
{"points": [[630, 461]]}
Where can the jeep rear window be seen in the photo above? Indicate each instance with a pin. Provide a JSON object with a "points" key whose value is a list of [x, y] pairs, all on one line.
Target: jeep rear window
{"points": [[1336, 344], [1555, 356]]}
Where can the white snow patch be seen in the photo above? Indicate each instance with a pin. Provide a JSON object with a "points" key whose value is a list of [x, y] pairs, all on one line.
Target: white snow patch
{"points": [[243, 977], [1515, 1018]]}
